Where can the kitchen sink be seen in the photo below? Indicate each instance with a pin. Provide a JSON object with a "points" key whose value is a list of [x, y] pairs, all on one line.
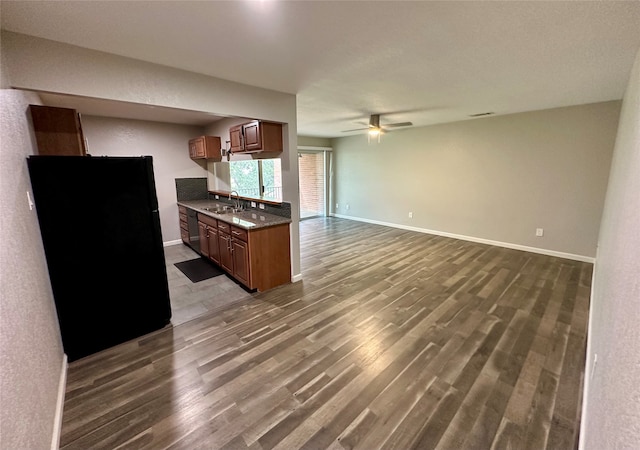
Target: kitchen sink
{"points": [[223, 210]]}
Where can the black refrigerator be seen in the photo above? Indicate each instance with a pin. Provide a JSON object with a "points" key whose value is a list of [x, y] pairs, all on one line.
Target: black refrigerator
{"points": [[101, 232]]}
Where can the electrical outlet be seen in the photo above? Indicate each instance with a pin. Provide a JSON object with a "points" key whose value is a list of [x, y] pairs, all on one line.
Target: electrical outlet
{"points": [[410, 214], [539, 232], [347, 207], [261, 205], [337, 206], [253, 204], [217, 197]]}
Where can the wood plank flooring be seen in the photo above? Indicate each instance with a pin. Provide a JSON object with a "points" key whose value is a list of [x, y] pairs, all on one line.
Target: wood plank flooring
{"points": [[393, 340]]}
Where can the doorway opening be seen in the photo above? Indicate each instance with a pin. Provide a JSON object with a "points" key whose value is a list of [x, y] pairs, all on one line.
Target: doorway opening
{"points": [[313, 165]]}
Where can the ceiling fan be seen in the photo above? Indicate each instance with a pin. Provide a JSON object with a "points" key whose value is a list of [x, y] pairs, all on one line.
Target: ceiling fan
{"points": [[375, 129]]}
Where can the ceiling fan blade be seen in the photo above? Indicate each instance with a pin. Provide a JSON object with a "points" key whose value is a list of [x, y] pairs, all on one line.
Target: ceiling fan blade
{"points": [[399, 124], [355, 129]]}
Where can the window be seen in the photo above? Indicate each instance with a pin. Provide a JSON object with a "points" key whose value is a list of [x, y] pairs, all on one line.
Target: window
{"points": [[260, 178]]}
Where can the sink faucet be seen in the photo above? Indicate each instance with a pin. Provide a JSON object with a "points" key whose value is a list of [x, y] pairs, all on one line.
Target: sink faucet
{"points": [[237, 198]]}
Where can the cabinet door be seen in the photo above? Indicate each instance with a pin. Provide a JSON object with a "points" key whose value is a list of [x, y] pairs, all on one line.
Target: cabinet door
{"points": [[226, 260], [235, 135], [197, 148], [214, 245], [184, 235], [205, 147], [252, 137], [58, 131], [240, 254], [204, 239]]}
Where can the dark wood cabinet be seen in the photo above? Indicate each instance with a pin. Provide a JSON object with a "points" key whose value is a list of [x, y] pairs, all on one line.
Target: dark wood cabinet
{"points": [[214, 245], [204, 239], [58, 131], [236, 139], [258, 258], [208, 230], [240, 255], [256, 136], [226, 259], [253, 135], [184, 225], [234, 252], [269, 256], [205, 147]]}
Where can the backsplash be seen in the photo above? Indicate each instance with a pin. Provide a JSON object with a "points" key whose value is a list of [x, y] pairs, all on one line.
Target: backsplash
{"points": [[282, 210], [191, 189], [196, 189]]}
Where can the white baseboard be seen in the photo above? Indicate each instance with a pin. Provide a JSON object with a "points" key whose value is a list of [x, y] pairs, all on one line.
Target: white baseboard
{"points": [[525, 248], [170, 243], [57, 421], [296, 278]]}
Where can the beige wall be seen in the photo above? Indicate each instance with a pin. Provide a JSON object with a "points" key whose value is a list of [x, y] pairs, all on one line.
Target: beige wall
{"points": [[167, 143], [309, 141], [494, 179], [611, 416], [31, 355]]}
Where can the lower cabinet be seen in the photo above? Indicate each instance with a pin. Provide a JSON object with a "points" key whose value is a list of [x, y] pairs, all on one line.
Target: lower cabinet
{"points": [[234, 252], [202, 232], [224, 244], [214, 246], [259, 259], [208, 231], [184, 227]]}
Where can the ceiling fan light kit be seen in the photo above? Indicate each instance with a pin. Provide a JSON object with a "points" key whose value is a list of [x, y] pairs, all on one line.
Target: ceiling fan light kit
{"points": [[375, 130], [373, 133]]}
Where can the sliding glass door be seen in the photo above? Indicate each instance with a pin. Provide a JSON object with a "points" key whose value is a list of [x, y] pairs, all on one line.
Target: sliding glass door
{"points": [[312, 166]]}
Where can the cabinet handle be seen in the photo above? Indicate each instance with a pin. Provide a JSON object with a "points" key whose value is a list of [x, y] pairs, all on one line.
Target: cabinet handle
{"points": [[236, 233]]}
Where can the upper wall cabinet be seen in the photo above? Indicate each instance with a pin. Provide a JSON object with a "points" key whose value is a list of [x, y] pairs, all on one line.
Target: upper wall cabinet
{"points": [[205, 147], [256, 136], [58, 131]]}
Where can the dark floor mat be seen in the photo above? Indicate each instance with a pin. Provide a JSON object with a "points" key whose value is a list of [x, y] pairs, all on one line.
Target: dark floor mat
{"points": [[198, 269]]}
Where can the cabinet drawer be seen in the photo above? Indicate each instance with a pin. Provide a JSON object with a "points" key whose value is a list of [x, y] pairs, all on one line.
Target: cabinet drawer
{"points": [[183, 217], [182, 210], [184, 225], [222, 226], [184, 234], [207, 220], [239, 233]]}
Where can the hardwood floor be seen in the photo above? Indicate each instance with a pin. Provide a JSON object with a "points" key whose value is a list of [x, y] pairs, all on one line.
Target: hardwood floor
{"points": [[394, 340]]}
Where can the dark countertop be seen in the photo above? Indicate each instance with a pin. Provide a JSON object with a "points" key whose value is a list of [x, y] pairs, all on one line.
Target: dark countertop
{"points": [[249, 219]]}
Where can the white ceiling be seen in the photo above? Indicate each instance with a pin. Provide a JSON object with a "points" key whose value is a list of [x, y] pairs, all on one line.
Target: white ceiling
{"points": [[424, 62]]}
